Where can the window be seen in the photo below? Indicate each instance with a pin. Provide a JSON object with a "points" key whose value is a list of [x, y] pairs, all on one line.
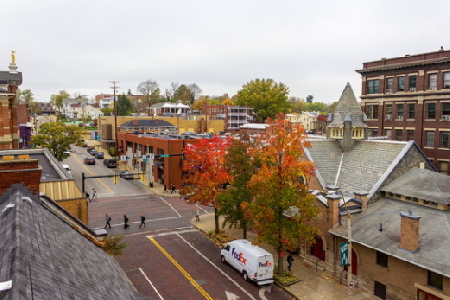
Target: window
{"points": [[443, 167], [382, 259], [444, 139], [429, 139], [446, 80], [431, 110], [150, 149], [389, 85], [400, 112], [410, 135], [401, 83], [432, 81], [398, 134], [435, 280], [373, 86], [388, 133], [372, 111], [446, 111], [160, 151], [375, 132], [379, 290], [412, 83], [411, 108], [389, 109]]}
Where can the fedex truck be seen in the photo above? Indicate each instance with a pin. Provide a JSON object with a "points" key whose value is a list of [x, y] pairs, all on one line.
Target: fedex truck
{"points": [[254, 263]]}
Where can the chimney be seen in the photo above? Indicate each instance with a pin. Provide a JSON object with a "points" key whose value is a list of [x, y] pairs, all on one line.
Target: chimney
{"points": [[333, 201], [362, 195], [135, 122], [409, 232]]}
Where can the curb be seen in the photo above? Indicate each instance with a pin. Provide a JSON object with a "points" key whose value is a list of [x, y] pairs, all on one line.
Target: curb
{"points": [[287, 291]]}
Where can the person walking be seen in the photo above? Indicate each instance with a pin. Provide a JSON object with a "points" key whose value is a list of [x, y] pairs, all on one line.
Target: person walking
{"points": [[125, 221], [87, 196], [94, 194], [290, 259], [173, 189], [197, 216], [142, 221], [108, 219], [165, 188]]}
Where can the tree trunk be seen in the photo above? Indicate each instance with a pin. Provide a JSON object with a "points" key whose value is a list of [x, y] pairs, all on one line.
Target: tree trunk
{"points": [[280, 263], [216, 219], [245, 233]]}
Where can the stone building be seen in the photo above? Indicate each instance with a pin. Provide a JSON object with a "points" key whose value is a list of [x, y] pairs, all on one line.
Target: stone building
{"points": [[360, 166], [408, 98], [9, 83]]}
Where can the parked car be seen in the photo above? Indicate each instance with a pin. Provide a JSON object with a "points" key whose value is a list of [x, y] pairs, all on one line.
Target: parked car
{"points": [[110, 163], [99, 155], [84, 145], [93, 152], [126, 175], [67, 168], [89, 161], [90, 148], [66, 153]]}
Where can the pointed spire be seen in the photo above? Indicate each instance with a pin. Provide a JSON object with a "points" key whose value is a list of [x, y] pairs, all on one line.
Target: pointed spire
{"points": [[348, 85]]}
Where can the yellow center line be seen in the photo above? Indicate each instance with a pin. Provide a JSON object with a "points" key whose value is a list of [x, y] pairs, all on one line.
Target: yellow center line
{"points": [[193, 282], [93, 174]]}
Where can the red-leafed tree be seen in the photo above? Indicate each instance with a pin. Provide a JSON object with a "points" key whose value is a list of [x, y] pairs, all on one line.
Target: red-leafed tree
{"points": [[204, 173], [278, 189]]}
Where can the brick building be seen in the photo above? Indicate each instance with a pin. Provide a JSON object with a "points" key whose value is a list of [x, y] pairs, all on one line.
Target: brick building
{"points": [[408, 98], [161, 170], [9, 83], [234, 116]]}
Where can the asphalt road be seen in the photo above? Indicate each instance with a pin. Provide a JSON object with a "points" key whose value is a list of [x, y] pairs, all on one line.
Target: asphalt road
{"points": [[105, 187]]}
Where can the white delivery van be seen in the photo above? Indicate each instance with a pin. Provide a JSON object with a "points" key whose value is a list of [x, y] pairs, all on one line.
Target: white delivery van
{"points": [[253, 262], [67, 168]]}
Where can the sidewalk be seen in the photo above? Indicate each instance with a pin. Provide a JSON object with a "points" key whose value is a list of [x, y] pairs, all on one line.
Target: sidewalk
{"points": [[320, 285]]}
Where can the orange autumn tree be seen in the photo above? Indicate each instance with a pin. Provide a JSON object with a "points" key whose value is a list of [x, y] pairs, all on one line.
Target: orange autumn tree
{"points": [[277, 189], [204, 173]]}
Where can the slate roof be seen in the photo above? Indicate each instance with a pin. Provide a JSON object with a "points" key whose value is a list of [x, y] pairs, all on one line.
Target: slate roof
{"points": [[148, 123], [361, 168], [433, 186], [434, 233], [47, 259], [6, 75], [347, 104]]}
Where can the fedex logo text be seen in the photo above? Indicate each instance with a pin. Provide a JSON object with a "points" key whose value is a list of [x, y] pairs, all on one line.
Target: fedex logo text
{"points": [[239, 257], [263, 265]]}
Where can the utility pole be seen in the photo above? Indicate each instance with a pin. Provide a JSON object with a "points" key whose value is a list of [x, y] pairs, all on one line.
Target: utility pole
{"points": [[115, 119]]}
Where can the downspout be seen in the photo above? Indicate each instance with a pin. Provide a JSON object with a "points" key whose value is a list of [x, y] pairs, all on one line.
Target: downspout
{"points": [[170, 163], [335, 255]]}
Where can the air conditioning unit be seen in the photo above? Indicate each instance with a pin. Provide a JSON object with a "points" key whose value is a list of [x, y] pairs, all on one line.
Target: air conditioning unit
{"points": [[432, 88], [446, 86], [389, 91], [412, 89], [446, 117], [399, 118], [389, 117]]}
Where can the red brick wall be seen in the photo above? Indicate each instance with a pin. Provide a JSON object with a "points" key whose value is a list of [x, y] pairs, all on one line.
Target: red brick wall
{"points": [[22, 113], [30, 176]]}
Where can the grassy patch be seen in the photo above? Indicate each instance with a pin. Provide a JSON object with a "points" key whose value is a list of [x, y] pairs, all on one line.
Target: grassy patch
{"points": [[91, 128], [222, 236], [285, 280]]}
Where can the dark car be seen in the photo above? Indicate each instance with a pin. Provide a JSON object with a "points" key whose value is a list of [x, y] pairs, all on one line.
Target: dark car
{"points": [[84, 145], [93, 152], [126, 175], [90, 148], [89, 161], [110, 163], [99, 155]]}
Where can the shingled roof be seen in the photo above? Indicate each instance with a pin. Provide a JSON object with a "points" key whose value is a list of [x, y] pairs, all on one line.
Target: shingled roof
{"points": [[434, 233], [347, 107], [45, 258], [148, 123], [363, 168], [8, 76]]}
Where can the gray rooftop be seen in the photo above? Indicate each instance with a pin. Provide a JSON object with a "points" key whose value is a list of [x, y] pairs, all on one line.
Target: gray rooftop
{"points": [[347, 105], [434, 233], [6, 75], [433, 186], [47, 259], [361, 167]]}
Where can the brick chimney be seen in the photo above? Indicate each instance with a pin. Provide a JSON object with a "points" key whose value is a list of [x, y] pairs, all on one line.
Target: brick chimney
{"points": [[15, 171], [362, 195], [333, 200], [409, 232], [135, 122]]}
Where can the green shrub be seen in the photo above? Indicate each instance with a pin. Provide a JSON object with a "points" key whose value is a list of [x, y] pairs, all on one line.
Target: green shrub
{"points": [[115, 244], [112, 151]]}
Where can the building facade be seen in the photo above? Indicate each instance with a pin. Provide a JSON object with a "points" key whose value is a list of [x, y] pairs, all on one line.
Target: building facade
{"points": [[234, 116], [408, 98]]}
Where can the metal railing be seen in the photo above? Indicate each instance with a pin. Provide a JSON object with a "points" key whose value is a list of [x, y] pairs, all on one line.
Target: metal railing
{"points": [[340, 276], [320, 259]]}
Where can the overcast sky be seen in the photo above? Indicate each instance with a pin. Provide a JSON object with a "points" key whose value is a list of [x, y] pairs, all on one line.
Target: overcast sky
{"points": [[313, 47]]}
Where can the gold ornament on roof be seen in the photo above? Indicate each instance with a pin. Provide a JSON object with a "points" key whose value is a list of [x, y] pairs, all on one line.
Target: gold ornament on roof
{"points": [[13, 56]]}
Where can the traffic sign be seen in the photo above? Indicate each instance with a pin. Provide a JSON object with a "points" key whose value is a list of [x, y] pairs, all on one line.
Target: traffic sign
{"points": [[123, 158], [152, 156], [164, 155], [351, 285], [344, 254], [144, 156]]}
